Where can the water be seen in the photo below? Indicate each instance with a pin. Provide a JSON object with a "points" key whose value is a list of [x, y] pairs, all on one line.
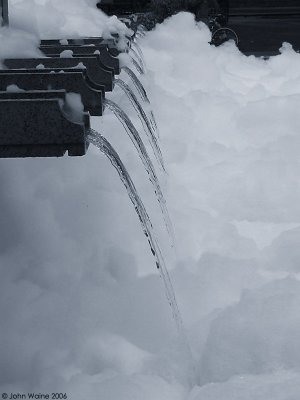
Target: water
{"points": [[148, 127], [137, 83], [105, 147], [139, 59], [98, 140], [139, 51], [140, 33], [142, 92], [137, 66], [139, 145]]}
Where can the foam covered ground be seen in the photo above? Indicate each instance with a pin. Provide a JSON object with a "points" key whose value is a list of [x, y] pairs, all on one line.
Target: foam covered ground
{"points": [[82, 307]]}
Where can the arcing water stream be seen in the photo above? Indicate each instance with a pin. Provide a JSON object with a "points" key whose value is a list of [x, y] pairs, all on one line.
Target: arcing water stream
{"points": [[148, 126], [105, 147], [139, 51], [139, 145], [142, 92], [137, 66], [137, 83], [139, 59]]}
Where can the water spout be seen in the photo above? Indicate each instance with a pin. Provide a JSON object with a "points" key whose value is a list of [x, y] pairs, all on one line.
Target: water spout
{"points": [[142, 92], [139, 51], [139, 59], [149, 129], [137, 83], [139, 145], [105, 147], [137, 66]]}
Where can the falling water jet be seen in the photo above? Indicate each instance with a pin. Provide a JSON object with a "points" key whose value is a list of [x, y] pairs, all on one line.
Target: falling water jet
{"points": [[151, 137], [141, 55], [137, 83], [140, 33], [148, 127], [106, 148], [138, 50], [137, 105], [137, 66], [138, 59], [139, 145], [154, 124], [140, 88]]}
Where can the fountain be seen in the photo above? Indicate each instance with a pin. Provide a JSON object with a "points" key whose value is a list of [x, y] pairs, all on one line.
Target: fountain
{"points": [[41, 119]]}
